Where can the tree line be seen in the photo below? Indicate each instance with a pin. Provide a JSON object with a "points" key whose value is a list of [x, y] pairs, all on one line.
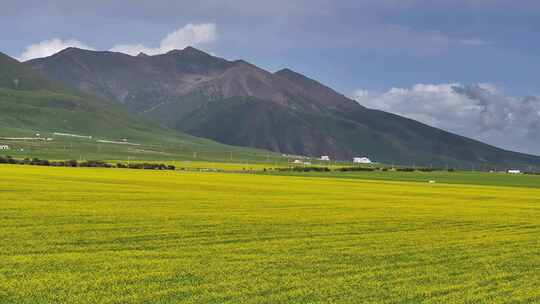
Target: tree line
{"points": [[88, 164], [372, 169]]}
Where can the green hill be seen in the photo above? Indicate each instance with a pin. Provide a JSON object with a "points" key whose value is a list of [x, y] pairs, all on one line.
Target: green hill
{"points": [[31, 105]]}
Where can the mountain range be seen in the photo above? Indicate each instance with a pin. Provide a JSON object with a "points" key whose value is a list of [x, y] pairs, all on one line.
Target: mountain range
{"points": [[31, 103], [238, 103]]}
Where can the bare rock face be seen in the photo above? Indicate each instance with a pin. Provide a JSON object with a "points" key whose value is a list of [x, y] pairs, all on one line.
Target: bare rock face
{"points": [[238, 103]]}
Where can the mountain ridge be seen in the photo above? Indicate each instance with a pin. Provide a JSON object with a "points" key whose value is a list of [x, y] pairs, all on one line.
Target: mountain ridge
{"points": [[45, 106], [284, 111]]}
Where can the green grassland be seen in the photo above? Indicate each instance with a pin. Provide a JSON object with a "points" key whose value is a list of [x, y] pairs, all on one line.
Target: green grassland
{"points": [[30, 104], [240, 165], [148, 148], [456, 177], [80, 235], [222, 166]]}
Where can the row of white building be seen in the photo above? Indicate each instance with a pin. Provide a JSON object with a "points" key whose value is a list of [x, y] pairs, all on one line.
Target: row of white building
{"points": [[356, 160]]}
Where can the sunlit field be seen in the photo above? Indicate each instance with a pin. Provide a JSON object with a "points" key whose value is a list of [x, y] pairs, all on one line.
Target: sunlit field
{"points": [[80, 235]]}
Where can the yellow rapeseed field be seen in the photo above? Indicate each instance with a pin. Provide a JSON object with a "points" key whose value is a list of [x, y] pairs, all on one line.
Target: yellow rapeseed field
{"points": [[77, 235]]}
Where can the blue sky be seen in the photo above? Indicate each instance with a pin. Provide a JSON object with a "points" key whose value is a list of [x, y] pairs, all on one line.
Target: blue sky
{"points": [[347, 44], [351, 45]]}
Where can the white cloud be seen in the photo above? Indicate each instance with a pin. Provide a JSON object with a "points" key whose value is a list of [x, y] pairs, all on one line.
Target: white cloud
{"points": [[50, 47], [361, 96], [480, 111], [189, 35]]}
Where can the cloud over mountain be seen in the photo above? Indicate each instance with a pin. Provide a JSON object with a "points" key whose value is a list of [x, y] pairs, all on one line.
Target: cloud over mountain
{"points": [[49, 47], [189, 35], [480, 111]]}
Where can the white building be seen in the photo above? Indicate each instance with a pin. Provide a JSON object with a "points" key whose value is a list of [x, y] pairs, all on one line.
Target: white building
{"points": [[362, 160], [513, 171], [4, 147], [325, 157], [297, 161]]}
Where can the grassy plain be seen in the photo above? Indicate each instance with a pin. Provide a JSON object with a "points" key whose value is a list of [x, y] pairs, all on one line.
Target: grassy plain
{"points": [[457, 177], [149, 149], [79, 235]]}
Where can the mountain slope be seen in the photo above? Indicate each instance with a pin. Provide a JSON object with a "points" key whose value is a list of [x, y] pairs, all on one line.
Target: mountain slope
{"points": [[238, 103], [138, 82], [29, 101], [32, 104]]}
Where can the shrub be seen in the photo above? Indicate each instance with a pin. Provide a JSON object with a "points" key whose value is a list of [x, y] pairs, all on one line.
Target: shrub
{"points": [[95, 164], [405, 169], [355, 169], [305, 169]]}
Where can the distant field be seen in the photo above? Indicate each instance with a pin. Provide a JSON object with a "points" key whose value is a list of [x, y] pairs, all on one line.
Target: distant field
{"points": [[457, 177], [225, 166], [148, 149], [197, 165], [78, 235], [230, 165]]}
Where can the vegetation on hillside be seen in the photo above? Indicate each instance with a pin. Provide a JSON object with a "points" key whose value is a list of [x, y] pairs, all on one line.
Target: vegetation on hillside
{"points": [[31, 104]]}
